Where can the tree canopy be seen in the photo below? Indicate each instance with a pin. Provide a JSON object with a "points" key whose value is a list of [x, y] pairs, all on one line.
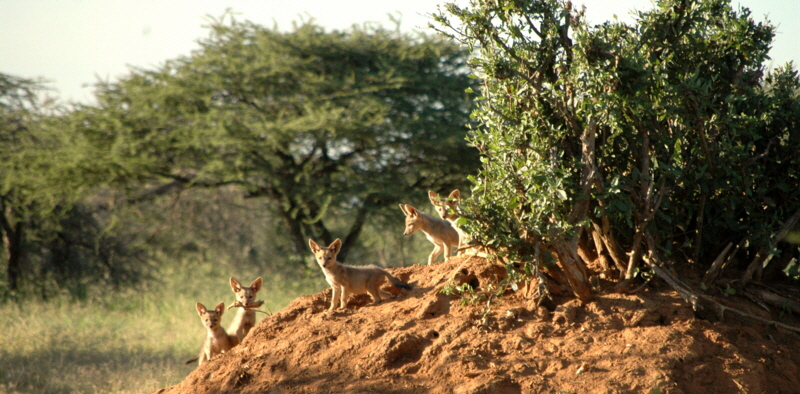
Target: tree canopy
{"points": [[312, 120], [331, 128], [48, 236], [663, 140]]}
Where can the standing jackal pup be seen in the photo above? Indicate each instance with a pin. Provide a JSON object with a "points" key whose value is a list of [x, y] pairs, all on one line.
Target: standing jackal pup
{"points": [[217, 340], [346, 280], [245, 318], [446, 208], [438, 231]]}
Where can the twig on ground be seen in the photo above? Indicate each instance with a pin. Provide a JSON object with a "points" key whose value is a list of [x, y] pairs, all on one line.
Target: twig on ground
{"points": [[763, 257], [693, 297]]}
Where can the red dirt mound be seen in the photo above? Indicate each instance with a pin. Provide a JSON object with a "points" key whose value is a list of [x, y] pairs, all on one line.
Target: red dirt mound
{"points": [[423, 341]]}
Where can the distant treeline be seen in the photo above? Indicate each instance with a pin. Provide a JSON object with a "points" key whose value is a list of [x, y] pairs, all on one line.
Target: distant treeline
{"points": [[614, 151], [241, 151]]}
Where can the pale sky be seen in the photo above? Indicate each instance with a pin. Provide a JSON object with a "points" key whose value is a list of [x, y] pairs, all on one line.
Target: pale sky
{"points": [[72, 43]]}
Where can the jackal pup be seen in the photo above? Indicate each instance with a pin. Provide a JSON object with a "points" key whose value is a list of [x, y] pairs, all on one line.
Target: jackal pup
{"points": [[438, 231], [446, 208], [346, 280], [245, 318], [217, 340]]}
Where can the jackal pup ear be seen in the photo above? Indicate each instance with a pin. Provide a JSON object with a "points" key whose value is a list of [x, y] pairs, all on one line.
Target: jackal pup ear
{"points": [[335, 246], [403, 208], [235, 285], [433, 196], [455, 194], [313, 245], [201, 309], [220, 308], [256, 285]]}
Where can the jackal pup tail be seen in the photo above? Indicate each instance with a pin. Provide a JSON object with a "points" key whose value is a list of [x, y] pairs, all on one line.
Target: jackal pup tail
{"points": [[397, 282]]}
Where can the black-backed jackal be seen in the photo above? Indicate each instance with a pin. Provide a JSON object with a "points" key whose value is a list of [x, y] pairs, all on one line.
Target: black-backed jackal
{"points": [[245, 318], [447, 210], [440, 232], [217, 340], [346, 279]]}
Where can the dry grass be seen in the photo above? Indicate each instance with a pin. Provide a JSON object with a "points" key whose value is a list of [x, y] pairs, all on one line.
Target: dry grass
{"points": [[125, 343]]}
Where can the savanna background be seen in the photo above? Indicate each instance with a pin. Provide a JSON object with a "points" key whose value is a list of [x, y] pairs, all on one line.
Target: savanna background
{"points": [[640, 150], [119, 216]]}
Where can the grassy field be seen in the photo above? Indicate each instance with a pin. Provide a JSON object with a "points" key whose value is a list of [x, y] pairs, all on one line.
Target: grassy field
{"points": [[134, 342]]}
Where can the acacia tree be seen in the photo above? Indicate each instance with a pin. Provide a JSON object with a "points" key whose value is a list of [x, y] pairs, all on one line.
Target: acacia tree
{"points": [[616, 138], [18, 103], [31, 199], [49, 235], [313, 120]]}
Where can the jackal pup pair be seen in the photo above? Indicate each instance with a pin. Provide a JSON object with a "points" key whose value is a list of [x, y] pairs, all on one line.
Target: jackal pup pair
{"points": [[346, 279], [217, 339], [443, 233]]}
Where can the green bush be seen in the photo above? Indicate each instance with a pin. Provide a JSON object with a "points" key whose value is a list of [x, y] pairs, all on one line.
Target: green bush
{"points": [[660, 138]]}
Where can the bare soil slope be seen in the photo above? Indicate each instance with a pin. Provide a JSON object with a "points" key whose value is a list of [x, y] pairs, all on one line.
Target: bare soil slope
{"points": [[423, 341]]}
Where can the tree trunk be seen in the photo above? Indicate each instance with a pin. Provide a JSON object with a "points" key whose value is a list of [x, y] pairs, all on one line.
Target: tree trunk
{"points": [[293, 224], [312, 220], [586, 253], [295, 233], [698, 237], [355, 231], [765, 254], [641, 215], [566, 247], [610, 242], [599, 248], [321, 232], [13, 235], [636, 252], [573, 268]]}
